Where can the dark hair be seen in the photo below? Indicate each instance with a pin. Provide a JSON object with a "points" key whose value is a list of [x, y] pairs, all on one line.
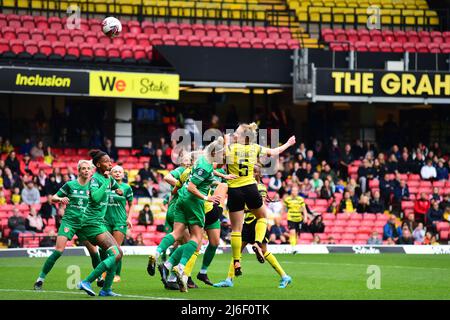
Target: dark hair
{"points": [[96, 155]]}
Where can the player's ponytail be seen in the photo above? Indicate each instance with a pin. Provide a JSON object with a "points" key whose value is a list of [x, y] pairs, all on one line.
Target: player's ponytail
{"points": [[96, 155], [249, 132]]}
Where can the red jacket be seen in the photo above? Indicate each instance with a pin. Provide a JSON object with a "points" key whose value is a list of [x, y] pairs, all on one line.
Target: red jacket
{"points": [[33, 166], [421, 206]]}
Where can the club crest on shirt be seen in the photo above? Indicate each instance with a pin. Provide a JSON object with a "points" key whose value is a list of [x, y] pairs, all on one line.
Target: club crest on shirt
{"points": [[66, 229], [200, 172]]}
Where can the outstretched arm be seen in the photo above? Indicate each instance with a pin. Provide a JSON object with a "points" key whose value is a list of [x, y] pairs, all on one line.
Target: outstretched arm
{"points": [[279, 150]]}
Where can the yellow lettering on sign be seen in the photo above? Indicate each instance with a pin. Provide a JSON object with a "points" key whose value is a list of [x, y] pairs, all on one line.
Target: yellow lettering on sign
{"points": [[424, 86], [440, 83], [367, 86], [408, 83], [337, 76], [390, 83], [350, 83]]}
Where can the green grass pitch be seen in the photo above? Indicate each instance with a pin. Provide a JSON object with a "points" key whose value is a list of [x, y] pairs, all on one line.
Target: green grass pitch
{"points": [[333, 276]]}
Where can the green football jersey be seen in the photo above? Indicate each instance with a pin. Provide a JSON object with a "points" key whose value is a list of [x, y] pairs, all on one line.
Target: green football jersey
{"points": [[218, 179], [99, 188], [202, 176], [177, 173], [117, 205], [78, 200]]}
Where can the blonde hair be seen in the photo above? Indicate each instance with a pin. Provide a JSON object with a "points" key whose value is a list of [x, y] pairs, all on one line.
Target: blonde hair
{"points": [[249, 132], [88, 162], [117, 167]]}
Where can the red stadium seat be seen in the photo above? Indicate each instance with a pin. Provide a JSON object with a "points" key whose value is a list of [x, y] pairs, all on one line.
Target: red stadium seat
{"points": [[45, 47], [194, 41], [41, 22], [23, 34], [219, 42], [421, 47], [156, 39], [388, 35], [409, 47], [413, 36], [161, 28], [182, 40], [148, 27], [385, 47], [118, 41], [65, 35], [50, 35], [134, 27], [14, 20], [55, 23], [282, 44], [261, 32], [222, 31], [376, 35], [236, 32], [31, 47], [73, 50], [328, 35], [211, 31], [269, 43], [143, 40], [90, 37], [186, 29], [126, 52], [9, 33], [86, 50], [96, 26], [232, 42], [400, 36], [112, 51], [3, 22], [199, 30], [248, 32], [207, 42], [173, 29], [130, 39], [168, 40]]}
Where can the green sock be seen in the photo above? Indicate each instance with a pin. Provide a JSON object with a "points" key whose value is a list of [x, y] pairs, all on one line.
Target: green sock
{"points": [[166, 242], [103, 254], [105, 265], [175, 257], [109, 278], [49, 263], [119, 267], [189, 248], [210, 252], [95, 259]]}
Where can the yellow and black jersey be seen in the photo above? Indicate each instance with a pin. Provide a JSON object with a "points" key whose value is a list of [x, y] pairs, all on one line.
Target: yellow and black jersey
{"points": [[249, 216], [295, 207], [241, 160]]}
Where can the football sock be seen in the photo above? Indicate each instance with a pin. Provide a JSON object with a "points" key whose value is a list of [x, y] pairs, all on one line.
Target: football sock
{"points": [[175, 257], [189, 248], [208, 257], [95, 259], [191, 263], [231, 270], [49, 263], [293, 240], [109, 279], [166, 242], [119, 268], [274, 263], [260, 229], [106, 265], [236, 243]]}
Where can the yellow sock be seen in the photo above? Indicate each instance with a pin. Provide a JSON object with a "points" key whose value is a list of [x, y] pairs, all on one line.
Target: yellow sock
{"points": [[236, 243], [191, 263], [231, 270], [274, 263], [260, 229], [293, 240]]}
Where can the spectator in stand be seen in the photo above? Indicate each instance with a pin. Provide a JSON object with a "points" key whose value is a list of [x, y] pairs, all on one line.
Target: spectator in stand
{"points": [[37, 151], [275, 182], [49, 240], [404, 163], [41, 180], [27, 166], [49, 157], [331, 240], [146, 216], [71, 174], [392, 164], [334, 154], [11, 180], [326, 192], [110, 150], [419, 233], [7, 147], [421, 206], [17, 225], [157, 161], [445, 202], [58, 176], [59, 216], [374, 239], [311, 159], [148, 149], [435, 195], [386, 189], [129, 241], [376, 204], [441, 171], [16, 198], [275, 205], [406, 237], [434, 215], [139, 191], [30, 194], [390, 242], [301, 173], [363, 204], [316, 183], [410, 222], [316, 225], [278, 232], [446, 215], [346, 159], [301, 150], [417, 164], [401, 191], [428, 172], [328, 171], [358, 150], [13, 163], [365, 173], [163, 187], [347, 204], [34, 221], [146, 173], [140, 240], [379, 169], [2, 196], [390, 229], [48, 209], [26, 147], [51, 186], [316, 239]]}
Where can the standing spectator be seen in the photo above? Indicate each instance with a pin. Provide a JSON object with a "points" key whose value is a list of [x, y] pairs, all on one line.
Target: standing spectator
{"points": [[26, 147], [428, 172], [316, 183], [316, 225], [419, 233], [347, 204], [326, 192], [275, 182], [374, 239], [390, 230], [146, 216], [334, 154], [346, 159], [158, 162], [34, 221], [441, 171], [278, 232], [30, 194], [17, 225], [434, 215], [386, 189], [365, 173], [37, 151], [48, 209], [129, 241], [376, 204], [13, 163], [110, 149], [363, 204], [421, 206], [146, 173], [406, 237]]}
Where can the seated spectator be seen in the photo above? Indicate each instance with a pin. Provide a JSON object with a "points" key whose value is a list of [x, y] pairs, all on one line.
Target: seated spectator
{"points": [[58, 176], [401, 191], [139, 190], [72, 175], [390, 242], [316, 225], [16, 198], [163, 187], [340, 186], [275, 182], [435, 195], [347, 204], [386, 189], [441, 171], [26, 146], [6, 147], [410, 222], [30, 194], [51, 186], [48, 209], [139, 240], [419, 233], [327, 171], [417, 164], [326, 192], [146, 174], [11, 180], [316, 239], [300, 172], [316, 183], [406, 237], [311, 159], [129, 241], [445, 201], [404, 163], [305, 188], [37, 151], [2, 196], [390, 229], [434, 215], [148, 150], [374, 239], [331, 240], [392, 164], [428, 172], [354, 188], [421, 206], [428, 238], [278, 232], [49, 156], [13, 163], [110, 149], [17, 225], [333, 208], [275, 205], [365, 173], [157, 161], [59, 216], [49, 240], [446, 215], [146, 216], [34, 221], [376, 204], [363, 204]]}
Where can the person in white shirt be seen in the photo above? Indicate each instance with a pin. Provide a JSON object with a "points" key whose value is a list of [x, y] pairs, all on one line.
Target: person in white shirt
{"points": [[428, 172], [419, 233]]}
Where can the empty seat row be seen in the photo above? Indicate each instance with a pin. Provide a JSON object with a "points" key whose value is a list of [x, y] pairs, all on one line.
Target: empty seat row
{"points": [[373, 46], [385, 4]]}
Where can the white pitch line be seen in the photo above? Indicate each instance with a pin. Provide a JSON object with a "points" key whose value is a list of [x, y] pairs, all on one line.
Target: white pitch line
{"points": [[365, 265], [82, 293]]}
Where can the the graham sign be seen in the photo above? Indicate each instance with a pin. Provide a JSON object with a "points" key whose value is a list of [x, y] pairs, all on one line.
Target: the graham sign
{"points": [[381, 86]]}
